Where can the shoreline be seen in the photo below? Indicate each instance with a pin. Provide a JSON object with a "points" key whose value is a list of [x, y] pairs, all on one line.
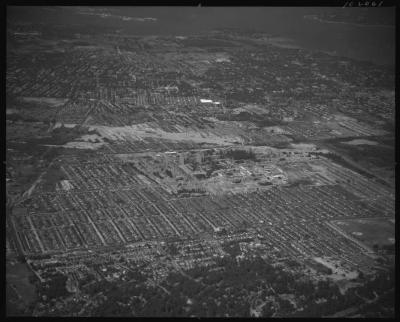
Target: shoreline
{"points": [[313, 17]]}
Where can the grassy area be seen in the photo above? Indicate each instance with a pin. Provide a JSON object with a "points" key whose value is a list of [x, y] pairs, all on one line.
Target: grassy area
{"points": [[371, 232], [53, 175], [380, 155], [371, 158]]}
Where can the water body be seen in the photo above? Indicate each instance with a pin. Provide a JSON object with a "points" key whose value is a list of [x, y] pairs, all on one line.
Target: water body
{"points": [[373, 43]]}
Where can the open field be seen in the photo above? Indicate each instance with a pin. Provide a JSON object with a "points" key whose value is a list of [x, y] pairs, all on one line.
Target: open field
{"points": [[369, 231], [138, 131]]}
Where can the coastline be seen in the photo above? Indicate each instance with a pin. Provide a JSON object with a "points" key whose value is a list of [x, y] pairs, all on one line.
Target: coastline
{"points": [[313, 17]]}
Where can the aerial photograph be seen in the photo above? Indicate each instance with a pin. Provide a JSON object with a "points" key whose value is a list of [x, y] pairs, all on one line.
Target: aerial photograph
{"points": [[200, 161]]}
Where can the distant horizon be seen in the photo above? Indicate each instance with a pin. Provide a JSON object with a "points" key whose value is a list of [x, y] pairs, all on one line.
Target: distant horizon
{"points": [[373, 43]]}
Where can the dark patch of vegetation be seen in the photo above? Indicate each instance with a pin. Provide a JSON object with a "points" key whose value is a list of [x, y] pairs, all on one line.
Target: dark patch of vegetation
{"points": [[15, 117], [55, 287], [232, 248], [207, 43], [53, 175], [265, 183], [305, 181], [281, 145], [378, 155], [214, 166], [51, 154], [296, 138], [192, 190], [82, 43], [224, 289], [340, 160], [239, 155], [157, 174], [172, 249], [319, 267], [266, 121]]}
